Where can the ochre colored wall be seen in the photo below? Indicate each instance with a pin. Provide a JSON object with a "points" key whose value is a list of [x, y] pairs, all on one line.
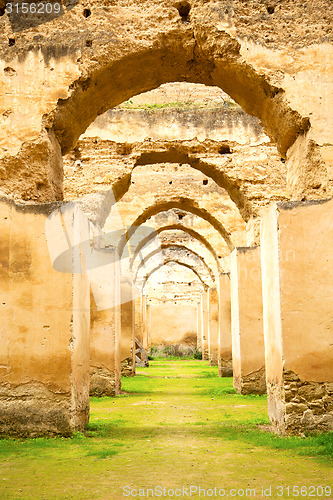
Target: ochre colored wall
{"points": [[247, 320], [173, 324], [44, 348]]}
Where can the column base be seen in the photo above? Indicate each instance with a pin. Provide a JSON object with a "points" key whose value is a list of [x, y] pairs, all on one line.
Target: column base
{"points": [[300, 406], [253, 383], [127, 368], [225, 367], [102, 382], [32, 410]]}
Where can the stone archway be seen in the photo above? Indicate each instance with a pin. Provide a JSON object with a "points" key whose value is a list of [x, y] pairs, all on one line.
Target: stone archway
{"points": [[172, 248], [181, 203], [178, 227], [193, 51]]}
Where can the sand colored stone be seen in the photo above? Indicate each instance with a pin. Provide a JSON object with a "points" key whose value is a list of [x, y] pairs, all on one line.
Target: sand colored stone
{"points": [[138, 317], [214, 326], [248, 354], [44, 352], [173, 324], [127, 333], [205, 323], [225, 339], [297, 263]]}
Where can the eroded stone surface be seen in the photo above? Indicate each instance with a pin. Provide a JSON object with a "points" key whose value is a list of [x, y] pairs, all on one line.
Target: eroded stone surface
{"points": [[102, 382], [306, 406]]}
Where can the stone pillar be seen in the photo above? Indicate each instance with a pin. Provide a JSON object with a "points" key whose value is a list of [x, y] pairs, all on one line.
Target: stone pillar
{"points": [[199, 326], [44, 348], [205, 323], [105, 334], [138, 318], [248, 353], [213, 326], [127, 337], [225, 340], [148, 328], [297, 267], [144, 323]]}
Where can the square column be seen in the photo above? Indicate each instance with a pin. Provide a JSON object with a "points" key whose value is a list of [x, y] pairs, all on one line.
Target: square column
{"points": [[297, 266], [213, 326], [199, 327], [248, 353], [105, 331], [205, 323], [148, 328], [138, 317], [44, 348], [144, 323], [225, 339], [127, 337]]}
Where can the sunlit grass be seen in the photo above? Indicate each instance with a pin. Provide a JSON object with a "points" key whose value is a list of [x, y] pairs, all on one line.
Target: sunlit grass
{"points": [[176, 421]]}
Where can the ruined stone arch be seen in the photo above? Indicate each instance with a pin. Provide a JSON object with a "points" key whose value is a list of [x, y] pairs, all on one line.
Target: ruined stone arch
{"points": [[177, 227], [176, 153], [197, 53], [176, 261], [176, 249], [185, 204], [112, 64]]}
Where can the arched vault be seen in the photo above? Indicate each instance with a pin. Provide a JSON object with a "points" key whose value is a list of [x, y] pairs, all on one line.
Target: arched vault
{"points": [[185, 204], [174, 249], [197, 53], [178, 227], [156, 268]]}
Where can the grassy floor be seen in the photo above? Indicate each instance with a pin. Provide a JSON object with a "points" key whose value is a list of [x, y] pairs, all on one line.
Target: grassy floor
{"points": [[176, 425]]}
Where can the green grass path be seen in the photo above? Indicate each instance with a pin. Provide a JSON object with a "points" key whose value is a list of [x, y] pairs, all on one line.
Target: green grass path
{"points": [[177, 425]]}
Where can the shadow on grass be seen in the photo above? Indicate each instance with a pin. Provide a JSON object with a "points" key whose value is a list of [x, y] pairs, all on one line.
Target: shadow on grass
{"points": [[318, 446], [105, 439]]}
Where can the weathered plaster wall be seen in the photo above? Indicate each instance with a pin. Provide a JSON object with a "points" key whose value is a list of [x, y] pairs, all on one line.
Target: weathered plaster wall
{"points": [[138, 318], [225, 339], [248, 356], [127, 334], [205, 323], [62, 74], [219, 124], [44, 348], [173, 324], [105, 332], [297, 283], [213, 326]]}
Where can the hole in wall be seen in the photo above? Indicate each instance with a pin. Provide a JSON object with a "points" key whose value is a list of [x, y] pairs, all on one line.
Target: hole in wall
{"points": [[205, 182], [86, 13], [189, 284], [184, 11], [88, 43], [170, 182], [224, 149], [9, 71], [180, 216], [270, 9], [11, 42]]}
